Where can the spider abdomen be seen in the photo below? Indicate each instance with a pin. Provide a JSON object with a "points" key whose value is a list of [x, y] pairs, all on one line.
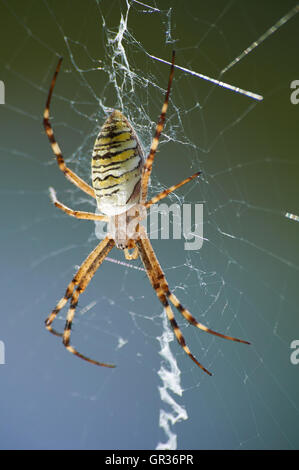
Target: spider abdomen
{"points": [[117, 162]]}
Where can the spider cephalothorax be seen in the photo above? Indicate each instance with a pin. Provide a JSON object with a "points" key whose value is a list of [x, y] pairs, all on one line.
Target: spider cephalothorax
{"points": [[120, 178]]}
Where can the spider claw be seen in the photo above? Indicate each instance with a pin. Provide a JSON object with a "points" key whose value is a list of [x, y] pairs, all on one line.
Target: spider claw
{"points": [[91, 361]]}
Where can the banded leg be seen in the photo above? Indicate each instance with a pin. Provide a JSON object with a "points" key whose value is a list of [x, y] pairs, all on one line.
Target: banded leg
{"points": [[77, 214], [147, 169], [177, 331], [165, 193], [74, 282], [151, 272], [85, 280], [173, 299], [70, 175]]}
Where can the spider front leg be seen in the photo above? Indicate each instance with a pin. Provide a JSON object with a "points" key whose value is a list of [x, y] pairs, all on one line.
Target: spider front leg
{"points": [[84, 268], [70, 289], [159, 283], [173, 299], [175, 327], [85, 280], [154, 273]]}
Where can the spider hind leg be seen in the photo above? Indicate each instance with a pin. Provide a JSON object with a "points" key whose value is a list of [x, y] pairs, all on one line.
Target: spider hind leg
{"points": [[69, 174]]}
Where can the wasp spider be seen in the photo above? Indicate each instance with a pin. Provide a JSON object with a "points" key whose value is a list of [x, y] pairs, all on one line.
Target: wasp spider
{"points": [[120, 178]]}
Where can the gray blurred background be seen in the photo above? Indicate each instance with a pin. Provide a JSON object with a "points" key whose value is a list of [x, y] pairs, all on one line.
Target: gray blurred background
{"points": [[243, 281]]}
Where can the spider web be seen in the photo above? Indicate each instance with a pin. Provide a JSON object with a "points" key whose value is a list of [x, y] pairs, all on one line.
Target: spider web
{"points": [[242, 282]]}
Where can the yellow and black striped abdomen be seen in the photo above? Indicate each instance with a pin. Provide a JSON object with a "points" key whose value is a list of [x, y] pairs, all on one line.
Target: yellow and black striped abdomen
{"points": [[117, 162]]}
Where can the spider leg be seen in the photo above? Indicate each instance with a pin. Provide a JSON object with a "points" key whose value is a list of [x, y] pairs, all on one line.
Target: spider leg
{"points": [[70, 175], [154, 272], [77, 214], [85, 266], [165, 193], [173, 299], [147, 169], [177, 330], [85, 280]]}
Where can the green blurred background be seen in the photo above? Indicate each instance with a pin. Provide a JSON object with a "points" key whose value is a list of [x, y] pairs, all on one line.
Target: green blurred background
{"points": [[243, 281]]}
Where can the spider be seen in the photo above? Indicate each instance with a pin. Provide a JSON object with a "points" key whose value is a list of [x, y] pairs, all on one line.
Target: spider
{"points": [[120, 179]]}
